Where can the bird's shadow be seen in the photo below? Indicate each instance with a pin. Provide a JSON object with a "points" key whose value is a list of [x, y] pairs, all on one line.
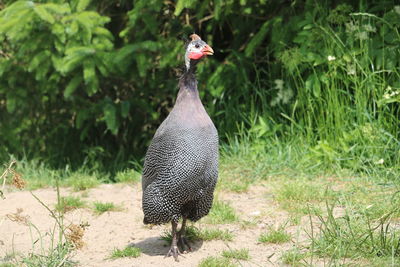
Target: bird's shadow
{"points": [[154, 246]]}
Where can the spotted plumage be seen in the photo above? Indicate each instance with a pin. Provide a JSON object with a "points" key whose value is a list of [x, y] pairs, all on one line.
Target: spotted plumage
{"points": [[181, 164]]}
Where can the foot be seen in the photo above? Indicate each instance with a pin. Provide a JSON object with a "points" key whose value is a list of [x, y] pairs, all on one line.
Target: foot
{"points": [[183, 243], [174, 251]]}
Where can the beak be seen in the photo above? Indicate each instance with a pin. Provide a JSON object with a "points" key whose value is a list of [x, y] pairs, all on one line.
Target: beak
{"points": [[207, 50]]}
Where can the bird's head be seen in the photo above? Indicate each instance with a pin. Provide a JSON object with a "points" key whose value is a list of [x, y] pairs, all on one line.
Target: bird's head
{"points": [[196, 50]]}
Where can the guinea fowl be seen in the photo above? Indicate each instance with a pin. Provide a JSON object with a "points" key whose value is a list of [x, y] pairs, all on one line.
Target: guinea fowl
{"points": [[181, 164]]}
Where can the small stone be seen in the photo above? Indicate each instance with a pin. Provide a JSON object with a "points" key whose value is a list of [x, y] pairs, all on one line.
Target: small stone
{"points": [[255, 213]]}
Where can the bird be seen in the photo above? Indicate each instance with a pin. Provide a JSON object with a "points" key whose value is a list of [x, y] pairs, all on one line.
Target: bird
{"points": [[180, 169]]}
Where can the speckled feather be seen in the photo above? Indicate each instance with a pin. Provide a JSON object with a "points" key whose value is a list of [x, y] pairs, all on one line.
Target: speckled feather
{"points": [[181, 164]]}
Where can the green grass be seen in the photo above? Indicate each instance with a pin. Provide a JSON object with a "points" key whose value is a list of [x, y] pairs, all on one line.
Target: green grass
{"points": [[59, 256], [276, 236], [292, 257], [101, 207], [215, 234], [131, 252], [356, 235], [81, 181], [221, 213], [128, 176], [61, 246], [193, 234], [10, 259], [37, 174], [234, 177], [238, 254], [216, 262], [70, 203], [301, 196]]}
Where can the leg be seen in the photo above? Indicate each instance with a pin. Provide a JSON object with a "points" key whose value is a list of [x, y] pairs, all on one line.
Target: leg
{"points": [[182, 241], [174, 251]]}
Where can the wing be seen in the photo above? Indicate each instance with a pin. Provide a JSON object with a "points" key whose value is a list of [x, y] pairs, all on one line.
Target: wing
{"points": [[177, 155]]}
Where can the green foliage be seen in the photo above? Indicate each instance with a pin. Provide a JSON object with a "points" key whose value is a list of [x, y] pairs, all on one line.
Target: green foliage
{"points": [[300, 196], [83, 79], [69, 203], [81, 181], [275, 236], [215, 234], [131, 252], [193, 234], [221, 212], [293, 257], [355, 234], [216, 262], [127, 176], [100, 207], [239, 254]]}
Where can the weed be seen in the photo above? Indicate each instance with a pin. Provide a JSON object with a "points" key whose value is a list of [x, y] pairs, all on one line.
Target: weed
{"points": [[131, 252], [215, 234], [275, 236], [58, 256], [238, 254], [37, 174], [75, 235], [9, 260], [193, 234], [59, 252], [295, 219], [69, 203], [354, 235], [81, 181], [17, 181], [292, 257], [18, 217], [100, 207], [216, 262], [221, 212]]}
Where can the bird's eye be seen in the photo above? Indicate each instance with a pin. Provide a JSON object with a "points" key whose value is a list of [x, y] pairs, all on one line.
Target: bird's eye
{"points": [[197, 46]]}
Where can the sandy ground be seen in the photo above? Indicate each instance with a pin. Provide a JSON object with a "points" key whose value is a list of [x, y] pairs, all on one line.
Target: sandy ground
{"points": [[122, 228]]}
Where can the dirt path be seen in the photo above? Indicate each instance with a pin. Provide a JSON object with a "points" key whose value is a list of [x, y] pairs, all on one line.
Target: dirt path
{"points": [[118, 229]]}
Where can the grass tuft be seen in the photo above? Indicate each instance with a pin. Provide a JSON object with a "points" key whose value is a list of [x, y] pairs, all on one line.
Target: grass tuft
{"points": [[131, 252], [128, 176], [69, 203], [276, 236], [58, 256], [355, 234], [216, 262], [101, 207], [292, 257], [81, 181], [193, 234], [301, 196], [215, 234], [238, 254], [221, 212]]}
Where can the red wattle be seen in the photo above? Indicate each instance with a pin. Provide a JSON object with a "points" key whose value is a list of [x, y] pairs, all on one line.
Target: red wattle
{"points": [[195, 55]]}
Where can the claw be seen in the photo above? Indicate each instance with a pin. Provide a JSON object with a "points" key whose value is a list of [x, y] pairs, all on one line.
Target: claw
{"points": [[183, 244], [174, 251]]}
